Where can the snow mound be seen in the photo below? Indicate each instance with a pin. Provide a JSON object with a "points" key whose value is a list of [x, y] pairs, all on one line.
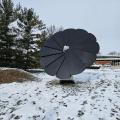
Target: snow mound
{"points": [[8, 75]]}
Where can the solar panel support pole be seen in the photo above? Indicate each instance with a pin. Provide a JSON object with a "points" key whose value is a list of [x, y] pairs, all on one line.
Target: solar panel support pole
{"points": [[67, 81]]}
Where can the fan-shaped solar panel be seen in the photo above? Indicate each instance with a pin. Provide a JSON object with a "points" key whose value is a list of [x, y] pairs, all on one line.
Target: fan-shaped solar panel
{"points": [[68, 52]]}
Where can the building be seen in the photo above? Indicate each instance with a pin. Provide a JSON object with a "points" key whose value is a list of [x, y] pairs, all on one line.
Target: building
{"points": [[112, 60]]}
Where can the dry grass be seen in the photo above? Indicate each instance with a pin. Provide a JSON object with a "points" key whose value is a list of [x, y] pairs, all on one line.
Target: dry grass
{"points": [[14, 75]]}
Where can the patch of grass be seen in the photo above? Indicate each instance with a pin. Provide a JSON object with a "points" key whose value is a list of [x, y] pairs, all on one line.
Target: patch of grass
{"points": [[61, 83], [69, 89], [14, 75], [52, 83]]}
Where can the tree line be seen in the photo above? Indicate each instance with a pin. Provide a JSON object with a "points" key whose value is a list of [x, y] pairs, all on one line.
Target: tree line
{"points": [[22, 33]]}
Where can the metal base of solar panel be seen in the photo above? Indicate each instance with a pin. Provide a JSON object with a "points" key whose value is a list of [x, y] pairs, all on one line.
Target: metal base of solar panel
{"points": [[67, 82]]}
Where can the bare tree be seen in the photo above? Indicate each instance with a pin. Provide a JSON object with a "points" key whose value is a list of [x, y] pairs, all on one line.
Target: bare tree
{"points": [[113, 53], [53, 29]]}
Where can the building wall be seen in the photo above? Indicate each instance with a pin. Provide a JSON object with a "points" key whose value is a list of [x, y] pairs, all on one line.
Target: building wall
{"points": [[103, 62]]}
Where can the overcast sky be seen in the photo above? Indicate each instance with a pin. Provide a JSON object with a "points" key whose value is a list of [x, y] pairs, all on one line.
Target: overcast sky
{"points": [[100, 17]]}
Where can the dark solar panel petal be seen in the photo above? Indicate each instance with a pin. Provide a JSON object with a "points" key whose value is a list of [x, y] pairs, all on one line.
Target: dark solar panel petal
{"points": [[52, 44], [52, 68], [92, 38], [85, 57], [46, 51], [77, 37], [49, 59], [71, 65], [63, 71], [87, 47], [59, 39], [93, 48], [75, 65]]}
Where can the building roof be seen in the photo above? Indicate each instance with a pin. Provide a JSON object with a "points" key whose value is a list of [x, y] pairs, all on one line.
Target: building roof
{"points": [[108, 57]]}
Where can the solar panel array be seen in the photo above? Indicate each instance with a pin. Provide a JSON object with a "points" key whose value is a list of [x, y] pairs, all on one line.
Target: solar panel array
{"points": [[68, 52]]}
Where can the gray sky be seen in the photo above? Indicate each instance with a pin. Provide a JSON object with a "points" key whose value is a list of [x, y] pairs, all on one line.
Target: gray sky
{"points": [[100, 17]]}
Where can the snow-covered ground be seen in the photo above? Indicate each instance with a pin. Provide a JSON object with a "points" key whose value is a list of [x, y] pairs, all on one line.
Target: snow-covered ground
{"points": [[95, 96]]}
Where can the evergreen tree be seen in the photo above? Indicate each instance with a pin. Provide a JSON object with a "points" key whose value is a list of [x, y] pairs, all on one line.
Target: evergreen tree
{"points": [[30, 28], [8, 14]]}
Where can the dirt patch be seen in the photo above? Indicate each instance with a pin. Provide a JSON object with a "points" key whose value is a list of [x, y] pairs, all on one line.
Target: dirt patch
{"points": [[8, 75]]}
